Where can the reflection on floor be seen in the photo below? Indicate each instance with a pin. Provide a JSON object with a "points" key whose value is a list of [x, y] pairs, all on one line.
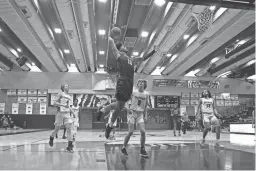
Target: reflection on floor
{"points": [[18, 131], [31, 151], [179, 156]]}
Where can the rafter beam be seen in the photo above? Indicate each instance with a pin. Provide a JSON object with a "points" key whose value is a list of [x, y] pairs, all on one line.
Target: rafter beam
{"points": [[221, 3]]}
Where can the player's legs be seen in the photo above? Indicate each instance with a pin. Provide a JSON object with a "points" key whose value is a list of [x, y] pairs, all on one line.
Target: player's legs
{"points": [[207, 126], [130, 122], [140, 122], [68, 122], [58, 123], [216, 124]]}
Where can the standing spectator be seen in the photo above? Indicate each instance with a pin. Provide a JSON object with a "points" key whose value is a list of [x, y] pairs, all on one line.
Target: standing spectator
{"points": [[175, 113], [185, 121]]}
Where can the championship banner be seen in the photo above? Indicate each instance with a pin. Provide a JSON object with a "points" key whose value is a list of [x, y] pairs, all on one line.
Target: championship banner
{"points": [[29, 108], [170, 83], [42, 99], [15, 108], [42, 108], [184, 102], [42, 93], [194, 102], [185, 95], [32, 92], [194, 95], [22, 92], [2, 108], [203, 84], [32, 99], [11, 92], [22, 99]]}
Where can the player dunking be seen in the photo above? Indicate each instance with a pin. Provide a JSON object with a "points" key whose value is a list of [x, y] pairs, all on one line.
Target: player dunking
{"points": [[124, 85], [208, 113], [137, 113], [63, 116]]}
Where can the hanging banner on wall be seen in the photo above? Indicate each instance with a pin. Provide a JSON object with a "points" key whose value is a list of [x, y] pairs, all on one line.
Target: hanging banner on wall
{"points": [[11, 92], [170, 83], [194, 95], [53, 98], [29, 108], [2, 108], [32, 92], [203, 84], [15, 108], [42, 99], [43, 109], [183, 109], [184, 102], [32, 99], [235, 103], [22, 92], [42, 92], [219, 102], [22, 99], [234, 97], [185, 95], [228, 103], [194, 102]]}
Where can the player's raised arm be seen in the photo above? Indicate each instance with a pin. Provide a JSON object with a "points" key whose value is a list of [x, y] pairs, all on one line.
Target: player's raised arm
{"points": [[113, 47], [140, 59]]}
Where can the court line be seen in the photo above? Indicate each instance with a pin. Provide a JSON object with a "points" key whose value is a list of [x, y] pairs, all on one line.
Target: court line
{"points": [[25, 144]]}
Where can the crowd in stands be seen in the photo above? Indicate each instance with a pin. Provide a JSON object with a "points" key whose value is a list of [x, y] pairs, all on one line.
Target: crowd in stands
{"points": [[6, 122]]}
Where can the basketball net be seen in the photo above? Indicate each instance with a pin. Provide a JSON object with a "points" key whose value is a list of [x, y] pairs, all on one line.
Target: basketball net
{"points": [[204, 19]]}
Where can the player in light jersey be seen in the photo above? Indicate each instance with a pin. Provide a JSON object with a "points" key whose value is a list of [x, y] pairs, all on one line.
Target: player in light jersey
{"points": [[209, 115], [137, 113], [63, 100], [75, 112]]}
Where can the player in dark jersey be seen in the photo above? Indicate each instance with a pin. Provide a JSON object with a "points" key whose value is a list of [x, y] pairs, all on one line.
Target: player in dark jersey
{"points": [[124, 85]]}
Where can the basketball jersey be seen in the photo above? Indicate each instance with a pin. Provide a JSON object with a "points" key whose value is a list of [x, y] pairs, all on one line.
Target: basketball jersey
{"points": [[125, 66], [64, 100], [207, 105], [138, 101]]}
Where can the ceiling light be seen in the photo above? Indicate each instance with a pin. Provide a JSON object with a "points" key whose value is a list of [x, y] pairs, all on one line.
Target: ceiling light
{"points": [[101, 65], [237, 40], [19, 50], [57, 30], [219, 12], [168, 6], [251, 62], [253, 77], [101, 52], [214, 60], [212, 8], [159, 2], [223, 75], [102, 32], [186, 36], [135, 53], [0, 30], [192, 73], [144, 34], [174, 57], [169, 55], [103, 1], [242, 42], [33, 64], [72, 68], [66, 51], [14, 52]]}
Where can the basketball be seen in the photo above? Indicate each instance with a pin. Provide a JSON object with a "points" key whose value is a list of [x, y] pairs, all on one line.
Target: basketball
{"points": [[115, 32]]}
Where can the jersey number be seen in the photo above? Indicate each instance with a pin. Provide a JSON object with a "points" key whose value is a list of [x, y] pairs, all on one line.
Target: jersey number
{"points": [[129, 61], [208, 105], [139, 102]]}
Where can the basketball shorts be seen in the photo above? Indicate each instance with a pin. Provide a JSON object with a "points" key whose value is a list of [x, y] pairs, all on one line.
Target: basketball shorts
{"points": [[63, 118], [135, 117], [76, 122], [176, 118], [124, 88], [115, 123], [210, 119]]}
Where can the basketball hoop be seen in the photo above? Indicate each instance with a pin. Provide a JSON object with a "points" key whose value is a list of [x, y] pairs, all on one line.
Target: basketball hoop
{"points": [[204, 19]]}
